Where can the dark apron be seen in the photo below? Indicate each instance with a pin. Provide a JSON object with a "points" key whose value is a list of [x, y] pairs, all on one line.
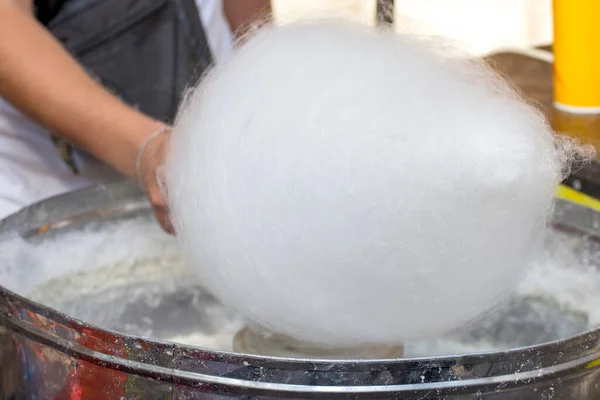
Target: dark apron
{"points": [[147, 52]]}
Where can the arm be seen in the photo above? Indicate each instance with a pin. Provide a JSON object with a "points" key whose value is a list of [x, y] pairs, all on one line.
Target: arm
{"points": [[242, 15], [39, 77]]}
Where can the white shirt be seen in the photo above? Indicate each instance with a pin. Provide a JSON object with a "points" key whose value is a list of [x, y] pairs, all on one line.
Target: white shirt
{"points": [[30, 166]]}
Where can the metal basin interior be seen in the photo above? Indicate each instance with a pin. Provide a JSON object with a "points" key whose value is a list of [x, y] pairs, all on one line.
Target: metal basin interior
{"points": [[81, 289]]}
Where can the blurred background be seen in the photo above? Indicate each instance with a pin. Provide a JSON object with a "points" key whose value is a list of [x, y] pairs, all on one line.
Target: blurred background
{"points": [[481, 26]]}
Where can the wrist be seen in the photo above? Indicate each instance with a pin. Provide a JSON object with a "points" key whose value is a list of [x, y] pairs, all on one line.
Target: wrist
{"points": [[135, 135], [151, 150]]}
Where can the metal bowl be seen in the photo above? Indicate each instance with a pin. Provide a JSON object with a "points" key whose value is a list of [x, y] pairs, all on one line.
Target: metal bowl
{"points": [[96, 303]]}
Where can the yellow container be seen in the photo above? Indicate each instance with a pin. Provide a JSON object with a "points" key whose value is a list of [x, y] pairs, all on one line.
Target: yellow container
{"points": [[577, 56], [572, 195]]}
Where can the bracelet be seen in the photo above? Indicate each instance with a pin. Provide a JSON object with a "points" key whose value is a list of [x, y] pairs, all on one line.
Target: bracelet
{"points": [[138, 161]]}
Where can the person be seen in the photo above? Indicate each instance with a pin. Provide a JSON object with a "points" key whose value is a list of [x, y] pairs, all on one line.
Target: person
{"points": [[99, 81]]}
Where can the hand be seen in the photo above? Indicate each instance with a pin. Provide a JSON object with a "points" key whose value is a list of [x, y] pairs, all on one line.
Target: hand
{"points": [[149, 175]]}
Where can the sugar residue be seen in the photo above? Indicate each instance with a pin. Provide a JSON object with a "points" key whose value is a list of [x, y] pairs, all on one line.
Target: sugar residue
{"points": [[132, 278]]}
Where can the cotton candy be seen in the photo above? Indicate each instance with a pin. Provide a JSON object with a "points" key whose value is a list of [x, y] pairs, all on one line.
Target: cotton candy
{"points": [[346, 185]]}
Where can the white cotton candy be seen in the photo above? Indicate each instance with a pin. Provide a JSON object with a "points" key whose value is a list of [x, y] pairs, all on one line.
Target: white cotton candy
{"points": [[344, 185]]}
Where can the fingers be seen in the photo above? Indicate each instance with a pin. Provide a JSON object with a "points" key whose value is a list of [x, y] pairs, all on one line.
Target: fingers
{"points": [[160, 206], [163, 218], [151, 176], [161, 181]]}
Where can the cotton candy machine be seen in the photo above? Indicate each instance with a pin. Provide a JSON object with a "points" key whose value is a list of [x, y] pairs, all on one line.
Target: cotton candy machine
{"points": [[97, 303]]}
